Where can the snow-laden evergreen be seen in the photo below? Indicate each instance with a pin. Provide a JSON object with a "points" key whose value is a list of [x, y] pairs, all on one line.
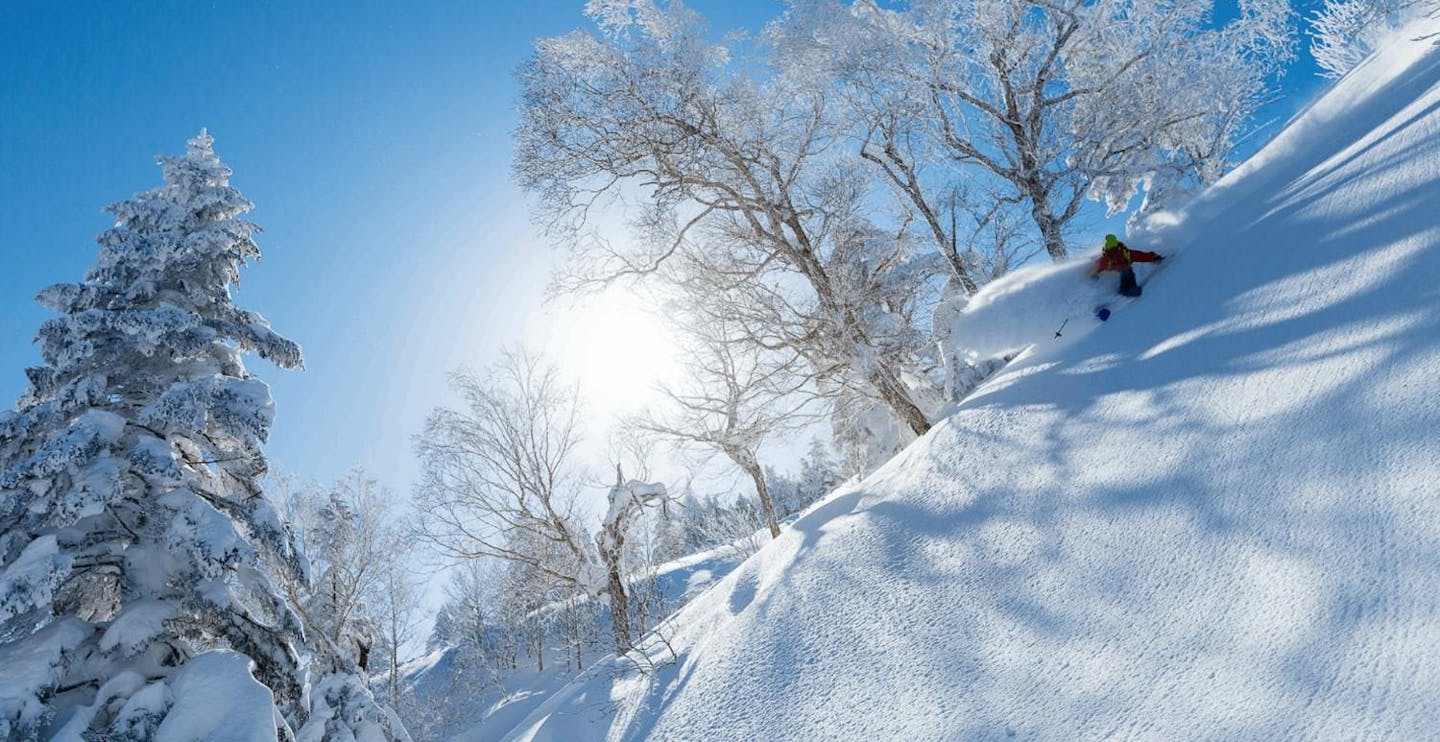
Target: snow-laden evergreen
{"points": [[138, 554]]}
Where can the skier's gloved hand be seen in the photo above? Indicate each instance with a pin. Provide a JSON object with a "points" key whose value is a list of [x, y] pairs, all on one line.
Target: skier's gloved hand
{"points": [[1159, 258]]}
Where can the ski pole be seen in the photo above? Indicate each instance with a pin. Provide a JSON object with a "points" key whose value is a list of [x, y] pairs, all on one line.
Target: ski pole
{"points": [[1062, 327]]}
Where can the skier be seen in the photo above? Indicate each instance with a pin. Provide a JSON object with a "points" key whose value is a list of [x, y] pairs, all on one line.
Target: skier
{"points": [[1118, 257]]}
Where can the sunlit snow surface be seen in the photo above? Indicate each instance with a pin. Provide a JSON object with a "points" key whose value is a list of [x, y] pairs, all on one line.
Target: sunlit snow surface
{"points": [[1215, 517], [1046, 303]]}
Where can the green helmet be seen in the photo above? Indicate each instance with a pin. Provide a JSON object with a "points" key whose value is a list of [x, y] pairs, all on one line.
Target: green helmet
{"points": [[1111, 240]]}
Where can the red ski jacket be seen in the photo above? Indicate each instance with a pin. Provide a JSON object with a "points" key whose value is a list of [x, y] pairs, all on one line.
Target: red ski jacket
{"points": [[1120, 257]]}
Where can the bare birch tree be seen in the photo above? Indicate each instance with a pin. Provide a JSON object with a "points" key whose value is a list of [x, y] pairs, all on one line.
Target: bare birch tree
{"points": [[498, 477], [736, 169], [1059, 102], [734, 396], [397, 610], [348, 534]]}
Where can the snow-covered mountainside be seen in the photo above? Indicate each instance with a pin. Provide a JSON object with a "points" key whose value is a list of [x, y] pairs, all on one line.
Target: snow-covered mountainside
{"points": [[1216, 516]]}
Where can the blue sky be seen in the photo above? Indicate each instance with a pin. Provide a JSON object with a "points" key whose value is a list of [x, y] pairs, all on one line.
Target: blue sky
{"points": [[374, 139]]}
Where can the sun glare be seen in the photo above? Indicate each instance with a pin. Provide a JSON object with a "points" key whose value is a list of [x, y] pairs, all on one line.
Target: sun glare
{"points": [[616, 347]]}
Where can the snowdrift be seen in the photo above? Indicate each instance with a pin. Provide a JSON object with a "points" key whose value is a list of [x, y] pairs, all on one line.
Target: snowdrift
{"points": [[1216, 518], [1030, 305]]}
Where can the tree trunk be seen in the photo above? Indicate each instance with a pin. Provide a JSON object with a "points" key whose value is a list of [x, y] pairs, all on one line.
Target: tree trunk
{"points": [[880, 375], [902, 174], [619, 608], [394, 682], [1048, 225], [757, 475], [576, 640], [899, 402], [642, 608]]}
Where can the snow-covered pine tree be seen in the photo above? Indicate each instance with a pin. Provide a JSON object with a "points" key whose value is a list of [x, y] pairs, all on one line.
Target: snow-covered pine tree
{"points": [[348, 534], [669, 532], [137, 551], [783, 491], [818, 473]]}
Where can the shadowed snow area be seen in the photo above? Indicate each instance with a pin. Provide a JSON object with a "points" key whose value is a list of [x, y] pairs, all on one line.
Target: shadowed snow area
{"points": [[1216, 516]]}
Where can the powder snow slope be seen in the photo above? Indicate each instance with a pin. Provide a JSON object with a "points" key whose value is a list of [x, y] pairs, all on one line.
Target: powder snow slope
{"points": [[1216, 517]]}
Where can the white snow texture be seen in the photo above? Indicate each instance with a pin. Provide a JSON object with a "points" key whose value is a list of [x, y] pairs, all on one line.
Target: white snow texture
{"points": [[1215, 517], [1032, 304]]}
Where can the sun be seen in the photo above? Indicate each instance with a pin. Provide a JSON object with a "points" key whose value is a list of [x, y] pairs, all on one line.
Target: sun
{"points": [[616, 347]]}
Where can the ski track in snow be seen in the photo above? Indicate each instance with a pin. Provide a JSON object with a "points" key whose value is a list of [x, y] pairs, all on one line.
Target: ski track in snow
{"points": [[1217, 517]]}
